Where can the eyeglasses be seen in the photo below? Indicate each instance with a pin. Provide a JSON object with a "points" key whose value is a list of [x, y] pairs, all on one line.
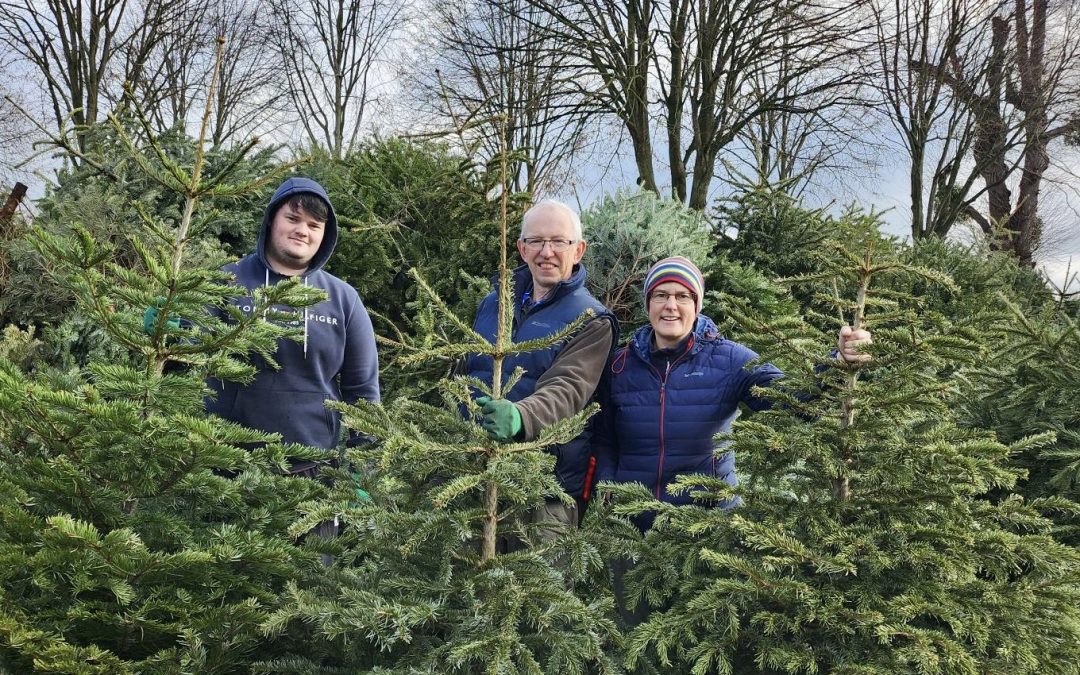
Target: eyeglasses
{"points": [[557, 245], [683, 299]]}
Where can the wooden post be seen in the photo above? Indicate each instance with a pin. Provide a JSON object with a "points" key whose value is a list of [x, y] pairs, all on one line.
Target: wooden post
{"points": [[12, 203]]}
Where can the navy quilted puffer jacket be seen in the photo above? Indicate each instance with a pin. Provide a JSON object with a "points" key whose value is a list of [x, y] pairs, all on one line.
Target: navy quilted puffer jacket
{"points": [[655, 426]]}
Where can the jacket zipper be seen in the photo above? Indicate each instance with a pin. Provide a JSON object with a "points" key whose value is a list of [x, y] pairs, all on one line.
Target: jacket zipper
{"points": [[660, 460], [663, 397]]}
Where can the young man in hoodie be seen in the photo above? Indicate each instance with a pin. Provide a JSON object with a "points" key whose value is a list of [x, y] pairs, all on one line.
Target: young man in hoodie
{"points": [[336, 360]]}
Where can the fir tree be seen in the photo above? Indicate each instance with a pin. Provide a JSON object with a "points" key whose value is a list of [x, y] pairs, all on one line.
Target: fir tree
{"points": [[420, 582], [126, 549], [1028, 385], [628, 232], [867, 543]]}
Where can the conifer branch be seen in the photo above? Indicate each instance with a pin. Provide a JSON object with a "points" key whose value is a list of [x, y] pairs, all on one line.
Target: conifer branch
{"points": [[191, 191], [445, 310], [864, 272], [175, 179], [505, 305], [60, 140]]}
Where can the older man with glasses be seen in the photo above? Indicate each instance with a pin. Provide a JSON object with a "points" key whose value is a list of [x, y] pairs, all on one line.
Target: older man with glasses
{"points": [[559, 380]]}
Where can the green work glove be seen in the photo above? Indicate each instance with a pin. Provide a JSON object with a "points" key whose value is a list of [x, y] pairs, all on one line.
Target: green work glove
{"points": [[502, 419], [150, 317], [360, 493]]}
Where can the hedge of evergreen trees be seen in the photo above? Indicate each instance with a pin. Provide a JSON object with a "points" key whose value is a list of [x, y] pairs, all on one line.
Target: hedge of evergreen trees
{"points": [[917, 515]]}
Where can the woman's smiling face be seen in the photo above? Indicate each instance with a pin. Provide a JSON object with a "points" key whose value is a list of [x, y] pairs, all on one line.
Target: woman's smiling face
{"points": [[672, 312]]}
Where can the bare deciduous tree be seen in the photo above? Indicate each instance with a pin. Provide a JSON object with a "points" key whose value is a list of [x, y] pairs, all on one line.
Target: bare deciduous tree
{"points": [[497, 71], [249, 95], [174, 63], [611, 51], [329, 50], [176, 73], [936, 130], [792, 150], [1026, 98], [14, 127], [695, 68], [80, 50]]}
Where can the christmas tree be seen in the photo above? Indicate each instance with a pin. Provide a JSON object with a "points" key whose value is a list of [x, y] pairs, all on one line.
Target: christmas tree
{"points": [[422, 581], [142, 536], [1030, 385]]}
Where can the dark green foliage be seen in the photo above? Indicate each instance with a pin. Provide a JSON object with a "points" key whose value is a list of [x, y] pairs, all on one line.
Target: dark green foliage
{"points": [[725, 278], [1027, 384], [402, 205], [867, 543], [980, 277], [412, 205], [118, 187], [887, 542], [773, 233], [1030, 384], [410, 592], [125, 547], [777, 238], [110, 198], [423, 581]]}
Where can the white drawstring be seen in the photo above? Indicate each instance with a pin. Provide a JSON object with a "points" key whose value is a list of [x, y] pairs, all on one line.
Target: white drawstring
{"points": [[305, 325]]}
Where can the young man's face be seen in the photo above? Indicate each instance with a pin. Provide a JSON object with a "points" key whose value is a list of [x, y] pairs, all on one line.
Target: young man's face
{"points": [[295, 237], [548, 266]]}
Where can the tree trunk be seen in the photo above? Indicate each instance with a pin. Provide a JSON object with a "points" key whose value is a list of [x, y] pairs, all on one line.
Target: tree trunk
{"points": [[12, 203], [637, 119], [918, 215], [674, 96]]}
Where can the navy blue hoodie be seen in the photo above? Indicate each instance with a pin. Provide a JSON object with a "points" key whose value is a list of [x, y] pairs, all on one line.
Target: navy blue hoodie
{"points": [[336, 361]]}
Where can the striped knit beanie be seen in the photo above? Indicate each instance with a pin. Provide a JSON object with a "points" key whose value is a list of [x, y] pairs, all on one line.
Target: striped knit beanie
{"points": [[681, 271]]}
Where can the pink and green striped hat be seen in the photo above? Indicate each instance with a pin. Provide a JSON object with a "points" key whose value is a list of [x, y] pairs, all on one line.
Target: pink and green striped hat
{"points": [[681, 271]]}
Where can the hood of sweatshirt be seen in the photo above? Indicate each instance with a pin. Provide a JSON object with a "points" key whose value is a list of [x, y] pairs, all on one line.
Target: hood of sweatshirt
{"points": [[295, 186]]}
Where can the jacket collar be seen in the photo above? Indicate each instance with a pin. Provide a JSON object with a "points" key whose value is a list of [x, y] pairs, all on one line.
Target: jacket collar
{"points": [[704, 331], [523, 284]]}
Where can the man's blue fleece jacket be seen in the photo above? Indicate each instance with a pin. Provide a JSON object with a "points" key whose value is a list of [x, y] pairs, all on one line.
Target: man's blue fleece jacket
{"points": [[335, 361]]}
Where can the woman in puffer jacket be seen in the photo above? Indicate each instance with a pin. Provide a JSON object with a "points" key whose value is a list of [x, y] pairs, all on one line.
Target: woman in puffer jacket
{"points": [[673, 387]]}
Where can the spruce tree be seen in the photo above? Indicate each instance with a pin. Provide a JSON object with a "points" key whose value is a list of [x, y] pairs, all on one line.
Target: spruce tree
{"points": [[142, 536], [628, 232], [420, 581], [1028, 385], [878, 535]]}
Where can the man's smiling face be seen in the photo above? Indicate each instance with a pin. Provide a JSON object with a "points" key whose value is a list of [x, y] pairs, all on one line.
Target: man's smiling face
{"points": [[295, 238], [548, 266]]}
